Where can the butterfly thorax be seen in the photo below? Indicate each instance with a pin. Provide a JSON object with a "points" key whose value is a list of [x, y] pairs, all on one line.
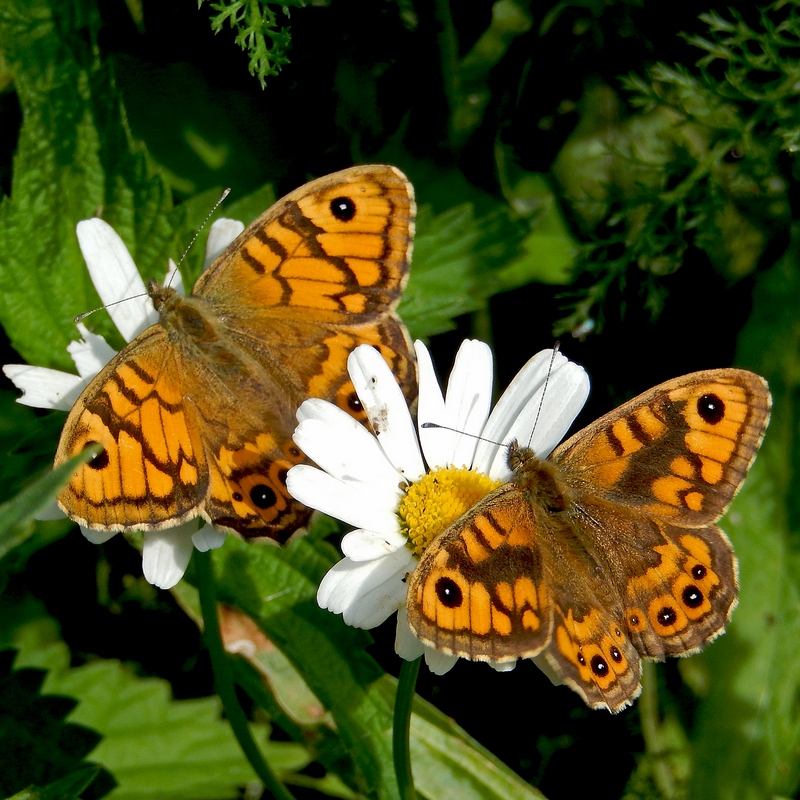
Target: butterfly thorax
{"points": [[184, 318], [539, 480]]}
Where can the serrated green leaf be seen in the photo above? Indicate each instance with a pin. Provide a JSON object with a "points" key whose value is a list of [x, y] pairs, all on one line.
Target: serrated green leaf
{"points": [[456, 256], [156, 748], [74, 157], [39, 745]]}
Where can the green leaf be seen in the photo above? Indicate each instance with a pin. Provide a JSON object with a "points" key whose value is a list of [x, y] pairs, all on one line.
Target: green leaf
{"points": [[156, 748], [747, 737], [39, 746], [277, 588], [456, 257], [74, 157], [17, 515]]}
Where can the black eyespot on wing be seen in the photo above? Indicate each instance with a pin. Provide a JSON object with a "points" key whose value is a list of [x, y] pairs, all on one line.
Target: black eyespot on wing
{"points": [[262, 496], [711, 408], [100, 461], [449, 593], [343, 208]]}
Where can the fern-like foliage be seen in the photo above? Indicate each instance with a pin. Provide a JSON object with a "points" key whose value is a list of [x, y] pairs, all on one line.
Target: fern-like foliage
{"points": [[257, 32], [700, 165]]}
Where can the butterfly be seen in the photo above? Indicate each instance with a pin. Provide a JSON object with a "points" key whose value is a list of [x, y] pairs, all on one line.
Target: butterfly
{"points": [[195, 415], [606, 552]]}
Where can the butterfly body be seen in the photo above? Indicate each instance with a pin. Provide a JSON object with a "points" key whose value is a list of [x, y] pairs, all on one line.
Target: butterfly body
{"points": [[196, 414], [607, 552]]}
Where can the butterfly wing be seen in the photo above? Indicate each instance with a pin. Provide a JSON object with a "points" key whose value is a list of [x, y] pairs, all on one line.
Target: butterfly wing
{"points": [[153, 467], [679, 452], [318, 274]]}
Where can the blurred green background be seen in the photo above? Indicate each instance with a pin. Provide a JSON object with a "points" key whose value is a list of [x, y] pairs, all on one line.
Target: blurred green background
{"points": [[617, 174]]}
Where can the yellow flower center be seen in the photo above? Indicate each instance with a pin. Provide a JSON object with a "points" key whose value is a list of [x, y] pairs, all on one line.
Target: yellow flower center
{"points": [[433, 503]]}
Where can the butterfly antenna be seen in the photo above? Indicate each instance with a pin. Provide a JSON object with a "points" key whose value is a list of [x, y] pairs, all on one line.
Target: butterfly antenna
{"points": [[556, 348], [189, 246], [85, 314]]}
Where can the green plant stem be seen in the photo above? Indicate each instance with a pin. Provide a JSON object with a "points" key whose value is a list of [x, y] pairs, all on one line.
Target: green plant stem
{"points": [[651, 732], [401, 750], [223, 679]]}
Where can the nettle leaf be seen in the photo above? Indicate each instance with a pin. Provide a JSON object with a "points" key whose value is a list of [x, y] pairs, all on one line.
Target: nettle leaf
{"points": [[747, 734], [155, 747], [75, 159], [39, 746], [456, 257]]}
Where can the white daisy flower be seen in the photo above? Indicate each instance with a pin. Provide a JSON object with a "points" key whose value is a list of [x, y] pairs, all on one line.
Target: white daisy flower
{"points": [[382, 484], [166, 553]]}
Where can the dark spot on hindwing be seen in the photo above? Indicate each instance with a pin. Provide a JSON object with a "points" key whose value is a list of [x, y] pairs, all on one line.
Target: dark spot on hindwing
{"points": [[699, 572], [711, 408], [666, 616], [354, 404], [343, 208], [616, 655], [599, 666], [262, 496], [449, 593], [692, 597]]}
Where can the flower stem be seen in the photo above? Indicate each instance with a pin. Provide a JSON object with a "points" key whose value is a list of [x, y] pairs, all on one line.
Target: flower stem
{"points": [[401, 750], [223, 678]]}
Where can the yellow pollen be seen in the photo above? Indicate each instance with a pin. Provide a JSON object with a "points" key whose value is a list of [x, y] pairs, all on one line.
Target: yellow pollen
{"points": [[437, 500]]}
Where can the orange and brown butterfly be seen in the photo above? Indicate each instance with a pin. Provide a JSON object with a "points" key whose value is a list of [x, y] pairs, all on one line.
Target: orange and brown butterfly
{"points": [[195, 415], [606, 552]]}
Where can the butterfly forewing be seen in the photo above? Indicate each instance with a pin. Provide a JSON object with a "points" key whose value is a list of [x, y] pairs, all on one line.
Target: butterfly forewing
{"points": [[679, 451]]}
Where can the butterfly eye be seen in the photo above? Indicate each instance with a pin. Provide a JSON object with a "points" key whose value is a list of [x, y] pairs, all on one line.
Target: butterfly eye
{"points": [[343, 208], [711, 408]]}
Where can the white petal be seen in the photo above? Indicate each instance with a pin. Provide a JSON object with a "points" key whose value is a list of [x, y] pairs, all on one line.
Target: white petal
{"points": [[174, 279], [347, 451], [45, 388], [166, 554], [361, 545], [90, 353], [406, 644], [347, 582], [511, 404], [438, 444], [97, 537], [377, 605], [439, 663], [542, 423], [222, 232], [370, 507], [386, 408], [51, 511], [469, 398], [564, 396], [502, 666], [208, 538], [116, 278]]}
